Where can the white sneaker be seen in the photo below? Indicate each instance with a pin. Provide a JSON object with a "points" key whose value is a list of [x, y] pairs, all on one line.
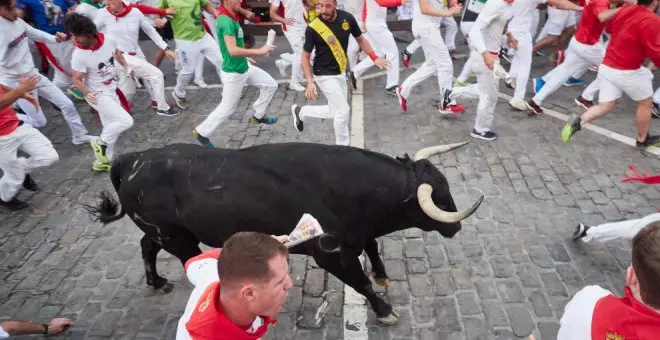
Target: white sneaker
{"points": [[518, 104], [201, 83], [281, 66], [296, 86], [83, 139]]}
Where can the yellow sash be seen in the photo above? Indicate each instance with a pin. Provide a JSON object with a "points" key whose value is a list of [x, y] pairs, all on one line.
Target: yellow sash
{"points": [[337, 50], [311, 14]]}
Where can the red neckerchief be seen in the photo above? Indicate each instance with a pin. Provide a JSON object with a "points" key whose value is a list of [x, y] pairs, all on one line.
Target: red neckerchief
{"points": [[123, 13], [224, 11], [99, 42]]}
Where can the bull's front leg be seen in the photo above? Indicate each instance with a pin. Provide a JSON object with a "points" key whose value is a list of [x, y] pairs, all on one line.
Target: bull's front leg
{"points": [[346, 266]]}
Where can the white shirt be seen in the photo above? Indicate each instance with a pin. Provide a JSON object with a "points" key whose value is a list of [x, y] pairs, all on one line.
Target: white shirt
{"points": [[15, 56], [125, 30], [376, 14], [87, 10], [575, 324], [523, 15], [292, 9], [98, 66], [487, 34], [420, 20]]}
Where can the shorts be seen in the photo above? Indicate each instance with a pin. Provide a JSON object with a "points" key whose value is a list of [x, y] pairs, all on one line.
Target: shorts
{"points": [[636, 84], [166, 32], [559, 19]]}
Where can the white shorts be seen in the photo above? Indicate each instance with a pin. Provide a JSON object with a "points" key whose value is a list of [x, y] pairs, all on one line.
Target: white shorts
{"points": [[636, 84], [559, 19]]}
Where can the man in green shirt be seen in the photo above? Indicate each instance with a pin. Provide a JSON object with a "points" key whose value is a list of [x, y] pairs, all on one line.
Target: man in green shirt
{"points": [[191, 41], [236, 73]]}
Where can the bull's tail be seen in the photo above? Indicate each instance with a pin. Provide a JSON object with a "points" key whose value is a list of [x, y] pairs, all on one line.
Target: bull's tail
{"points": [[108, 210]]}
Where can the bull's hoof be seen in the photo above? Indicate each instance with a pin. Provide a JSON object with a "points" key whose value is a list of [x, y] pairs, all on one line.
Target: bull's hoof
{"points": [[390, 319], [166, 288], [161, 285], [385, 283]]}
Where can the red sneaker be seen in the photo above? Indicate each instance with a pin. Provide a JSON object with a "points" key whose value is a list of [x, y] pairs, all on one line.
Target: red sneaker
{"points": [[452, 109], [402, 101]]}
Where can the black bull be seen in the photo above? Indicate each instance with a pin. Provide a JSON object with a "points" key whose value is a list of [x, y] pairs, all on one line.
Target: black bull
{"points": [[182, 194]]}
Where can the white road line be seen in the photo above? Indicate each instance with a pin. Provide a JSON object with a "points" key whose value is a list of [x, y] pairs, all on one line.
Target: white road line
{"points": [[355, 308]]}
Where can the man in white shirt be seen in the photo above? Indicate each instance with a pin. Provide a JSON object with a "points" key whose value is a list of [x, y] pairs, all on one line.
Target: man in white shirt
{"points": [[122, 23], [95, 75], [451, 29], [290, 14], [16, 62], [89, 8]]}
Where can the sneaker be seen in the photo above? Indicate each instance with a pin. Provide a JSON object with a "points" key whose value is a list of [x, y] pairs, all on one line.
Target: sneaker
{"points": [[99, 151], [488, 135], [649, 141], [573, 126], [459, 83], [202, 140], [351, 76], [536, 109], [171, 112], [83, 139], [154, 105], [201, 83], [268, 120], [296, 86], [391, 90], [405, 57], [101, 166], [593, 68], [14, 204], [539, 53], [518, 104], [297, 122], [29, 184], [586, 104], [449, 106], [580, 231], [538, 84], [655, 109], [281, 66], [402, 101], [73, 92], [573, 82], [180, 102]]}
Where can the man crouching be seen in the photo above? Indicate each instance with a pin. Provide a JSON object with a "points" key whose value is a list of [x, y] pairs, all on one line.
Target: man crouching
{"points": [[253, 272]]}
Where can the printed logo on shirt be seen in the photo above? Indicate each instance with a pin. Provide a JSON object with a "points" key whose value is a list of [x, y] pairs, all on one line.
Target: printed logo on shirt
{"points": [[18, 40], [106, 69], [614, 336], [345, 25], [205, 304]]}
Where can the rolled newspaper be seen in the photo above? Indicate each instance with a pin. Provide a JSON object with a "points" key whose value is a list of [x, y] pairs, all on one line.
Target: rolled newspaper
{"points": [[271, 38], [501, 73], [307, 228]]}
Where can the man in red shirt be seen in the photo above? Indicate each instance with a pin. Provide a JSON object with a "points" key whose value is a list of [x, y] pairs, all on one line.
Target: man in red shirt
{"points": [[635, 33], [594, 313], [239, 289], [15, 135]]}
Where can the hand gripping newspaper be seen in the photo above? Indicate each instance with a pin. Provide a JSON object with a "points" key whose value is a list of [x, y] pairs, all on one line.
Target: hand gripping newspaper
{"points": [[307, 228]]}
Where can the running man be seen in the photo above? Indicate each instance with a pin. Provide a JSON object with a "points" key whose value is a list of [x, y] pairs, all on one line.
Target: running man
{"points": [[290, 14]]}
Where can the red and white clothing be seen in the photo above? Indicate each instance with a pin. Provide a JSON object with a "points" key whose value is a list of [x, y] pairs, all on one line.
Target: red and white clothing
{"points": [[374, 14], [16, 61], [124, 29], [294, 33], [594, 313], [585, 49], [16, 135], [520, 27], [98, 65], [203, 317], [87, 10], [635, 36]]}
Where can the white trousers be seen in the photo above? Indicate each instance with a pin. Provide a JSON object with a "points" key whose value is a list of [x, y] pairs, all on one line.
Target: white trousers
{"points": [[451, 29], [47, 90], [335, 90], [521, 65], [296, 37], [114, 118], [485, 90], [147, 71], [28, 140], [352, 51], [232, 88], [382, 41], [413, 46], [199, 68], [656, 96], [465, 72], [619, 230], [438, 62], [62, 53], [579, 57], [188, 53]]}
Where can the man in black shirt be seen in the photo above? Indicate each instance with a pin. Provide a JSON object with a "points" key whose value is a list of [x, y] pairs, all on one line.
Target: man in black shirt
{"points": [[329, 34]]}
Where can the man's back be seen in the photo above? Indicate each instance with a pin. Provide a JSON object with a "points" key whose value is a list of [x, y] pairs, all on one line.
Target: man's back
{"points": [[635, 36]]}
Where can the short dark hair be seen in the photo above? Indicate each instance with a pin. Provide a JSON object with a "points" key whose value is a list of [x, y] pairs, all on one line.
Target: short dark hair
{"points": [[646, 263], [78, 24], [245, 257], [644, 2]]}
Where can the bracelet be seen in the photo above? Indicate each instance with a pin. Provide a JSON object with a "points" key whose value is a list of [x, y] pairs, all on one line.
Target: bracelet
{"points": [[373, 56], [45, 326]]}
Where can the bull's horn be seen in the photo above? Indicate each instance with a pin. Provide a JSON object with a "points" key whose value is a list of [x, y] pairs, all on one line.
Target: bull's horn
{"points": [[434, 150], [426, 203]]}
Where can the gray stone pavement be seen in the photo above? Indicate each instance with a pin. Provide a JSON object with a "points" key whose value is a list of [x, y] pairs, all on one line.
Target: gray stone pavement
{"points": [[508, 273]]}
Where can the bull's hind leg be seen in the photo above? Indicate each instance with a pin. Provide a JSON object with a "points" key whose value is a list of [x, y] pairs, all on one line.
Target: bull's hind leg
{"points": [[377, 266], [150, 251]]}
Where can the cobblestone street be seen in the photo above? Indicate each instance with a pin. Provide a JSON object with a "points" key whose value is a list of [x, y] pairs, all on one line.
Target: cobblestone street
{"points": [[507, 274]]}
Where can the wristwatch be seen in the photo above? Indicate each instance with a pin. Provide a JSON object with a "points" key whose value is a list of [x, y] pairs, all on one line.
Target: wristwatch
{"points": [[45, 326]]}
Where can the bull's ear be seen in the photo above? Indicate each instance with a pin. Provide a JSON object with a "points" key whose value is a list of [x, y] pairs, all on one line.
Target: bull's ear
{"points": [[405, 159]]}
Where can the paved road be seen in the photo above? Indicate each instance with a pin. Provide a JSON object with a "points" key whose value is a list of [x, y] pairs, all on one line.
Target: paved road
{"points": [[508, 273]]}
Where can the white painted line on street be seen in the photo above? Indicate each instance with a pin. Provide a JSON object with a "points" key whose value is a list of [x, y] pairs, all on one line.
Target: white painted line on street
{"points": [[355, 308]]}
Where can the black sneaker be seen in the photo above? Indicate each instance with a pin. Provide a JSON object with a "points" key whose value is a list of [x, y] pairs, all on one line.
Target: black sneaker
{"points": [[391, 90], [488, 135], [580, 231], [14, 204], [649, 141], [180, 101], [171, 112], [405, 57], [586, 104], [297, 123], [29, 184], [351, 76], [655, 109], [536, 109]]}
